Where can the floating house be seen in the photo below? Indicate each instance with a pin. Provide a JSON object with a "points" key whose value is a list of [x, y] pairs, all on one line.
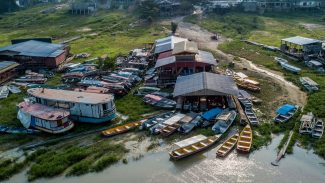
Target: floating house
{"points": [[203, 91], [301, 47], [34, 54], [184, 59], [7, 70], [83, 107], [168, 7], [85, 7], [44, 118]]}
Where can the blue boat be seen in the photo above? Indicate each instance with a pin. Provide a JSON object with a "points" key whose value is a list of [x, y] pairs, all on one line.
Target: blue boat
{"points": [[224, 121], [187, 127], [285, 112], [211, 114], [291, 68]]}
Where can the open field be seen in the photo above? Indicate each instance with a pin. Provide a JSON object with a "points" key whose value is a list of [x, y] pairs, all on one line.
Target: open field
{"points": [[267, 29]]}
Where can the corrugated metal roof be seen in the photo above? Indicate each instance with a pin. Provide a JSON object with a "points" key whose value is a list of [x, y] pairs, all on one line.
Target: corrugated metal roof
{"points": [[206, 57], [205, 84], [70, 96], [202, 56], [301, 40], [35, 49], [165, 61], [166, 44], [6, 65], [185, 46], [43, 112]]}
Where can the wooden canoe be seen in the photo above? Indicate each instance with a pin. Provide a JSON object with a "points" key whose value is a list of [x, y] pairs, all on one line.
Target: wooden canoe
{"points": [[245, 139], [121, 129], [193, 148], [169, 129], [227, 146]]}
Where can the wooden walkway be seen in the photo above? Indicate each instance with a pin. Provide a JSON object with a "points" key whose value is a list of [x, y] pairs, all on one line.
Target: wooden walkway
{"points": [[282, 151]]}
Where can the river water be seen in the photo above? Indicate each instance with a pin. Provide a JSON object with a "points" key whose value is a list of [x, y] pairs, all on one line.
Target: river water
{"points": [[155, 167]]}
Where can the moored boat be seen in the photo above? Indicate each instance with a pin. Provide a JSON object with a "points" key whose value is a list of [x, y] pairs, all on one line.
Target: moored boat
{"points": [[192, 148], [13, 89], [251, 116], [307, 123], [156, 129], [245, 139], [318, 129], [155, 120], [224, 121], [227, 146], [121, 129], [44, 118], [159, 102]]}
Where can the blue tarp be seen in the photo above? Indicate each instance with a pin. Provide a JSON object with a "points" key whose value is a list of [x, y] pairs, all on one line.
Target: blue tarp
{"points": [[283, 110], [212, 113]]}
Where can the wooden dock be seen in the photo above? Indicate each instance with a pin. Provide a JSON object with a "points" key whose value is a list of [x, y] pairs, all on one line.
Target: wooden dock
{"points": [[243, 117], [282, 151]]}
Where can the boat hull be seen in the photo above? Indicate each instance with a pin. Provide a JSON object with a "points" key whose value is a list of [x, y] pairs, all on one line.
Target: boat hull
{"points": [[69, 127], [83, 119]]}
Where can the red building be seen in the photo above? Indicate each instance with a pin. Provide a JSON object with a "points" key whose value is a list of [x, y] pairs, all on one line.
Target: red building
{"points": [[184, 59], [7, 70], [34, 54]]}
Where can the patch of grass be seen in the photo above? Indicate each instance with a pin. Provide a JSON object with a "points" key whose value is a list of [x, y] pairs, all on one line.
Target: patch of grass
{"points": [[80, 168], [104, 162], [132, 106], [8, 168], [54, 163], [206, 131], [261, 136], [8, 109]]}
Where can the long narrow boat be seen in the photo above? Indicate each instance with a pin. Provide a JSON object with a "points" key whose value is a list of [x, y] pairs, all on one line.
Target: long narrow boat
{"points": [[227, 146], [193, 148], [245, 139], [14, 89], [121, 129], [251, 116], [169, 129]]}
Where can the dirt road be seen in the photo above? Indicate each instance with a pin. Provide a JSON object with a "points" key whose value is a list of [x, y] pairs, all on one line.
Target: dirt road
{"points": [[203, 37]]}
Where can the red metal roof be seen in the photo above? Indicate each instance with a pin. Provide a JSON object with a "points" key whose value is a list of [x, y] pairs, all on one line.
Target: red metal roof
{"points": [[43, 112], [165, 54]]}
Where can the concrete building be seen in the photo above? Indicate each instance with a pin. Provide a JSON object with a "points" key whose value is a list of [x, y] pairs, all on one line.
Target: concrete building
{"points": [[34, 54]]}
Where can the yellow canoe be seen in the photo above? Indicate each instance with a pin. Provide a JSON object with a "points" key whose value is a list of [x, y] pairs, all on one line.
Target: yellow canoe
{"points": [[121, 129], [194, 148], [227, 146], [245, 139]]}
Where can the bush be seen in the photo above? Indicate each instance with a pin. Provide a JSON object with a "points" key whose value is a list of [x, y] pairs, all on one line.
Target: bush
{"points": [[105, 162]]}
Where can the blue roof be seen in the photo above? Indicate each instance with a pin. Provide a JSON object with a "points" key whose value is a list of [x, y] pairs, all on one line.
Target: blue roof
{"points": [[212, 113], [285, 109], [6, 64], [35, 49]]}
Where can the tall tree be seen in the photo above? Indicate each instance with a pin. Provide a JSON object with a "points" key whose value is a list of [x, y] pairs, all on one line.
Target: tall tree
{"points": [[7, 6], [148, 8]]}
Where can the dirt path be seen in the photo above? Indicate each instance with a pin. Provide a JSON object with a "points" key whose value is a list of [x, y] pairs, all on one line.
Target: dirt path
{"points": [[203, 37]]}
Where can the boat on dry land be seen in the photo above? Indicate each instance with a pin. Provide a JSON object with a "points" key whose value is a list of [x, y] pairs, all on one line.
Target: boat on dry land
{"points": [[251, 116], [4, 92], [285, 112], [193, 145], [44, 118], [318, 129], [245, 139], [14, 89], [227, 146], [121, 129]]}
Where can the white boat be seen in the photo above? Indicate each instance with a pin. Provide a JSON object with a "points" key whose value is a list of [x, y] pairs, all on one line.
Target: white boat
{"points": [[307, 123], [318, 129], [4, 92], [13, 89]]}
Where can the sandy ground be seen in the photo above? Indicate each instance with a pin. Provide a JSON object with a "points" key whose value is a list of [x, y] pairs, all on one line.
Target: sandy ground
{"points": [[203, 37]]}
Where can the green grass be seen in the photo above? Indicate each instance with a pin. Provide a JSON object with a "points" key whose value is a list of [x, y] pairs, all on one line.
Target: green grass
{"points": [[8, 109], [267, 29]]}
